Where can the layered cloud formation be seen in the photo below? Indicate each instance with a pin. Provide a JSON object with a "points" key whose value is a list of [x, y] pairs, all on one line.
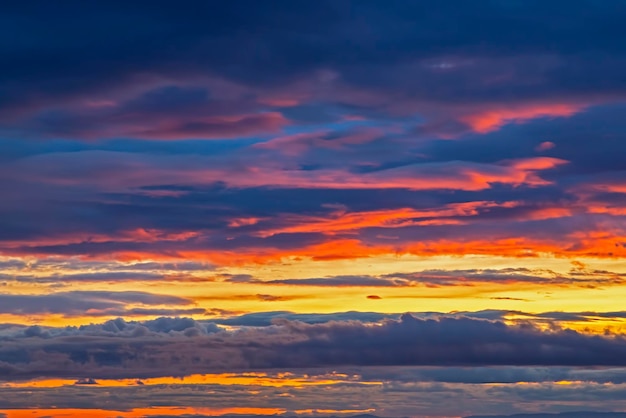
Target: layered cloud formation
{"points": [[202, 188], [118, 349]]}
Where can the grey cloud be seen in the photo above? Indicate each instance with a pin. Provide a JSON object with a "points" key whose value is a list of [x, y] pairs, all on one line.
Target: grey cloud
{"points": [[12, 264], [262, 319], [462, 277], [86, 277], [79, 302], [59, 271], [580, 414], [129, 296], [490, 374], [88, 381], [116, 349], [425, 277], [387, 400], [368, 281], [119, 327]]}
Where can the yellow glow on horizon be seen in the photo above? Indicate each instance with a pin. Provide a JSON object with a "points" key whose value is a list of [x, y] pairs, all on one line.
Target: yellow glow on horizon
{"points": [[208, 290], [137, 412], [285, 379]]}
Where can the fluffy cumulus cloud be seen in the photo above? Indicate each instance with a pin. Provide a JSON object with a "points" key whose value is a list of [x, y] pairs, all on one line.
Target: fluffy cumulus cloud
{"points": [[118, 349]]}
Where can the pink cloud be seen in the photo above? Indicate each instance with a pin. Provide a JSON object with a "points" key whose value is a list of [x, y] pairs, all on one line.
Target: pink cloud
{"points": [[210, 127], [299, 143], [545, 146], [120, 171], [491, 120]]}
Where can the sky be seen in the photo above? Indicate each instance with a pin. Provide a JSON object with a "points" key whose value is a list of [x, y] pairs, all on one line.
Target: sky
{"points": [[313, 208]]}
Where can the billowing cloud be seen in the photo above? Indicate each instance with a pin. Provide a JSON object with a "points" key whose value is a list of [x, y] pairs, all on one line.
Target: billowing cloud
{"points": [[117, 349]]}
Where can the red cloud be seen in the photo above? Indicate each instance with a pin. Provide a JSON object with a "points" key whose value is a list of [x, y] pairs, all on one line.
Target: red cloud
{"points": [[491, 120]]}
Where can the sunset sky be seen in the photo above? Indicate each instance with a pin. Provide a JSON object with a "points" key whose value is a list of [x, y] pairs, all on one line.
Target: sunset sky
{"points": [[312, 208]]}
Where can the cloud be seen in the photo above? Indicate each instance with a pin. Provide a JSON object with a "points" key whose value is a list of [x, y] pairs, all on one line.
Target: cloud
{"points": [[441, 76], [470, 277], [140, 199], [263, 319], [545, 146], [125, 170], [492, 120], [216, 142], [392, 398], [468, 67], [86, 382], [117, 349], [580, 414], [91, 303]]}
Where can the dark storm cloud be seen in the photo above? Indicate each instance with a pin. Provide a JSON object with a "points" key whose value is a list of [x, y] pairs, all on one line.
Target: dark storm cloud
{"points": [[118, 349]]}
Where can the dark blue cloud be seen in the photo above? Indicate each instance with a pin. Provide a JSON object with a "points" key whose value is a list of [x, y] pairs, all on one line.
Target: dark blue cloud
{"points": [[120, 349], [485, 53], [263, 319]]}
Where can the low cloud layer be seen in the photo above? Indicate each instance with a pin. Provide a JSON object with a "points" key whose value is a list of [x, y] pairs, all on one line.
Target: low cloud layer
{"points": [[117, 349]]}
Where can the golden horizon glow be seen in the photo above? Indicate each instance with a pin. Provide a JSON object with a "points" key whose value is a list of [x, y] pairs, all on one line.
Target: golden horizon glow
{"points": [[282, 379]]}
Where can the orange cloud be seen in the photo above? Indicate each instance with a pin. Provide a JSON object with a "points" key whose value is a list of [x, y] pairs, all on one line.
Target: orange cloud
{"points": [[138, 412], [582, 244], [492, 120], [341, 221], [609, 210], [281, 379], [587, 244], [330, 250]]}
